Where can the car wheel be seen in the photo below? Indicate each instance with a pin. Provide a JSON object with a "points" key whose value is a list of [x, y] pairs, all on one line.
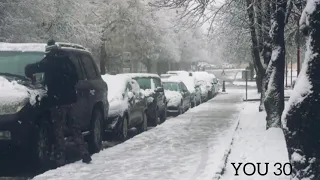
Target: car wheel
{"points": [[200, 101], [154, 121], [144, 125], [180, 109], [42, 146], [163, 116], [123, 130], [96, 132]]}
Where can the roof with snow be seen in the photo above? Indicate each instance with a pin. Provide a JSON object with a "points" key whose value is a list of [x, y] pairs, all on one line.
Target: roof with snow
{"points": [[132, 75], [23, 47]]}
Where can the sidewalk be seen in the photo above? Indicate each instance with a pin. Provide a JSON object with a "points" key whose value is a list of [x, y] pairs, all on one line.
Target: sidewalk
{"points": [[252, 143], [192, 146]]}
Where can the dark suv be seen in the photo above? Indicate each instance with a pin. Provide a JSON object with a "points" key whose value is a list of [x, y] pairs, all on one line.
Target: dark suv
{"points": [[153, 90], [23, 123]]}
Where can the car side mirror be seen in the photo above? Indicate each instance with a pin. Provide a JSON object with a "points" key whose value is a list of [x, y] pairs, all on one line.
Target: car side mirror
{"points": [[159, 89]]}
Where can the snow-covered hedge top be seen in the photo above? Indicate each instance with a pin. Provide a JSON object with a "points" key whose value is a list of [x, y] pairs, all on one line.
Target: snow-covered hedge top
{"points": [[23, 47], [303, 85], [133, 75], [116, 85]]}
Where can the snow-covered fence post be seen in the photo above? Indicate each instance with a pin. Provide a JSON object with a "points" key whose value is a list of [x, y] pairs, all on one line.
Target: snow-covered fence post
{"points": [[301, 118]]}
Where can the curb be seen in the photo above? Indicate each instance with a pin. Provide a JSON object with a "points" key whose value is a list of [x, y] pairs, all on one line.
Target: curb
{"points": [[219, 174]]}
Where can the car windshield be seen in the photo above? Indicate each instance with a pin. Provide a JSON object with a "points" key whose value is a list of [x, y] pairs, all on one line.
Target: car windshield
{"points": [[144, 82], [171, 86], [12, 62]]}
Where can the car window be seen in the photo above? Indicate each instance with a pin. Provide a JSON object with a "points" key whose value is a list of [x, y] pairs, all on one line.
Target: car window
{"points": [[171, 86], [144, 82], [78, 65], [157, 82], [129, 87], [184, 88], [89, 66], [135, 86]]}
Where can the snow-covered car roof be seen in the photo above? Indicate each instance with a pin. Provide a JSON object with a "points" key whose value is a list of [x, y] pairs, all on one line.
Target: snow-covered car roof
{"points": [[167, 75], [179, 72], [172, 79], [133, 75], [23, 47]]}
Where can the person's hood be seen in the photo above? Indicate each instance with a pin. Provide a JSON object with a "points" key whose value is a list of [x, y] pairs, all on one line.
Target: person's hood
{"points": [[14, 93]]}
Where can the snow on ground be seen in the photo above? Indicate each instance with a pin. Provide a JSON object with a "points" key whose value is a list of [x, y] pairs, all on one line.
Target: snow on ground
{"points": [[243, 83], [254, 144], [191, 146]]}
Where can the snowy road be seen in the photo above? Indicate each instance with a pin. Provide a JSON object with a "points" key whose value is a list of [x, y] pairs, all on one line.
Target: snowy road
{"points": [[188, 147]]}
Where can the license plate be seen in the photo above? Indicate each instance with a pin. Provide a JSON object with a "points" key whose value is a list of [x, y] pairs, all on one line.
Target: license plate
{"points": [[5, 135]]}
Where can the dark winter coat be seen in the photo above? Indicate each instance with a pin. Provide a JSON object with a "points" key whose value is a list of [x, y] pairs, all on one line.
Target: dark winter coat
{"points": [[60, 78]]}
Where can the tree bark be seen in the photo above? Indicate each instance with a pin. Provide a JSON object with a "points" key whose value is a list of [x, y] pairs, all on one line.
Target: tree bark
{"points": [[103, 57], [274, 100], [255, 43], [302, 119], [267, 49]]}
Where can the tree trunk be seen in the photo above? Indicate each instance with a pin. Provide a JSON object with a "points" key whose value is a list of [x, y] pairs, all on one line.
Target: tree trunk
{"points": [[103, 57], [274, 100], [255, 43], [302, 116], [267, 49]]}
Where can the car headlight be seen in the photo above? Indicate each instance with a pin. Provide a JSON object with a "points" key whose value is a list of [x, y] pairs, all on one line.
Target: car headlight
{"points": [[12, 108]]}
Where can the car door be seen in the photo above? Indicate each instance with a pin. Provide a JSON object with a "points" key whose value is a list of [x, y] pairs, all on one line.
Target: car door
{"points": [[159, 95], [79, 109], [186, 95], [132, 109], [140, 103], [92, 87]]}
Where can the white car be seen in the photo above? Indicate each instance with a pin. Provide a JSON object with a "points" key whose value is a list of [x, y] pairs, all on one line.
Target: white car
{"points": [[205, 80]]}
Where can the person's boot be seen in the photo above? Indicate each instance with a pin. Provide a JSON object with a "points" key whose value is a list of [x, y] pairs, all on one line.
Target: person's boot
{"points": [[86, 158]]}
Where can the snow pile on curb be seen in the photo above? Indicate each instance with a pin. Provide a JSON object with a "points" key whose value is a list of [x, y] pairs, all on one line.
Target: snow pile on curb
{"points": [[254, 144]]}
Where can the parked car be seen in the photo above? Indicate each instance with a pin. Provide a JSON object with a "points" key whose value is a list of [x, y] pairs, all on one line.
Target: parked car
{"points": [[201, 76], [165, 76], [156, 100], [189, 82], [178, 96], [127, 106], [23, 124], [215, 84], [202, 85]]}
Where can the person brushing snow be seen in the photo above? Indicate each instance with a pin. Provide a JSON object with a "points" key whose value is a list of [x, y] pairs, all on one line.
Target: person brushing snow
{"points": [[60, 79]]}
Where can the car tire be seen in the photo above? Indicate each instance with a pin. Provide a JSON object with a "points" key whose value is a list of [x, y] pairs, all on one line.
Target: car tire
{"points": [[144, 124], [200, 101], [180, 109], [96, 132], [123, 129], [164, 115], [42, 145], [154, 121]]}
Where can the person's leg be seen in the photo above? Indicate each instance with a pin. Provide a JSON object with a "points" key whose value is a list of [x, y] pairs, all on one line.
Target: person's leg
{"points": [[58, 120], [78, 137]]}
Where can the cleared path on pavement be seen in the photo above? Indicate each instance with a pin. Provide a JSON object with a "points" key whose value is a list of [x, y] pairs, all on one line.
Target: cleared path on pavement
{"points": [[187, 147]]}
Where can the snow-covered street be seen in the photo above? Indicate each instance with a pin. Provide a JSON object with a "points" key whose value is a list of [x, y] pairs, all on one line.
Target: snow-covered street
{"points": [[189, 147]]}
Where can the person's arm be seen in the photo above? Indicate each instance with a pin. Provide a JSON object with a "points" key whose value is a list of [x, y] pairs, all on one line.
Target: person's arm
{"points": [[38, 67]]}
